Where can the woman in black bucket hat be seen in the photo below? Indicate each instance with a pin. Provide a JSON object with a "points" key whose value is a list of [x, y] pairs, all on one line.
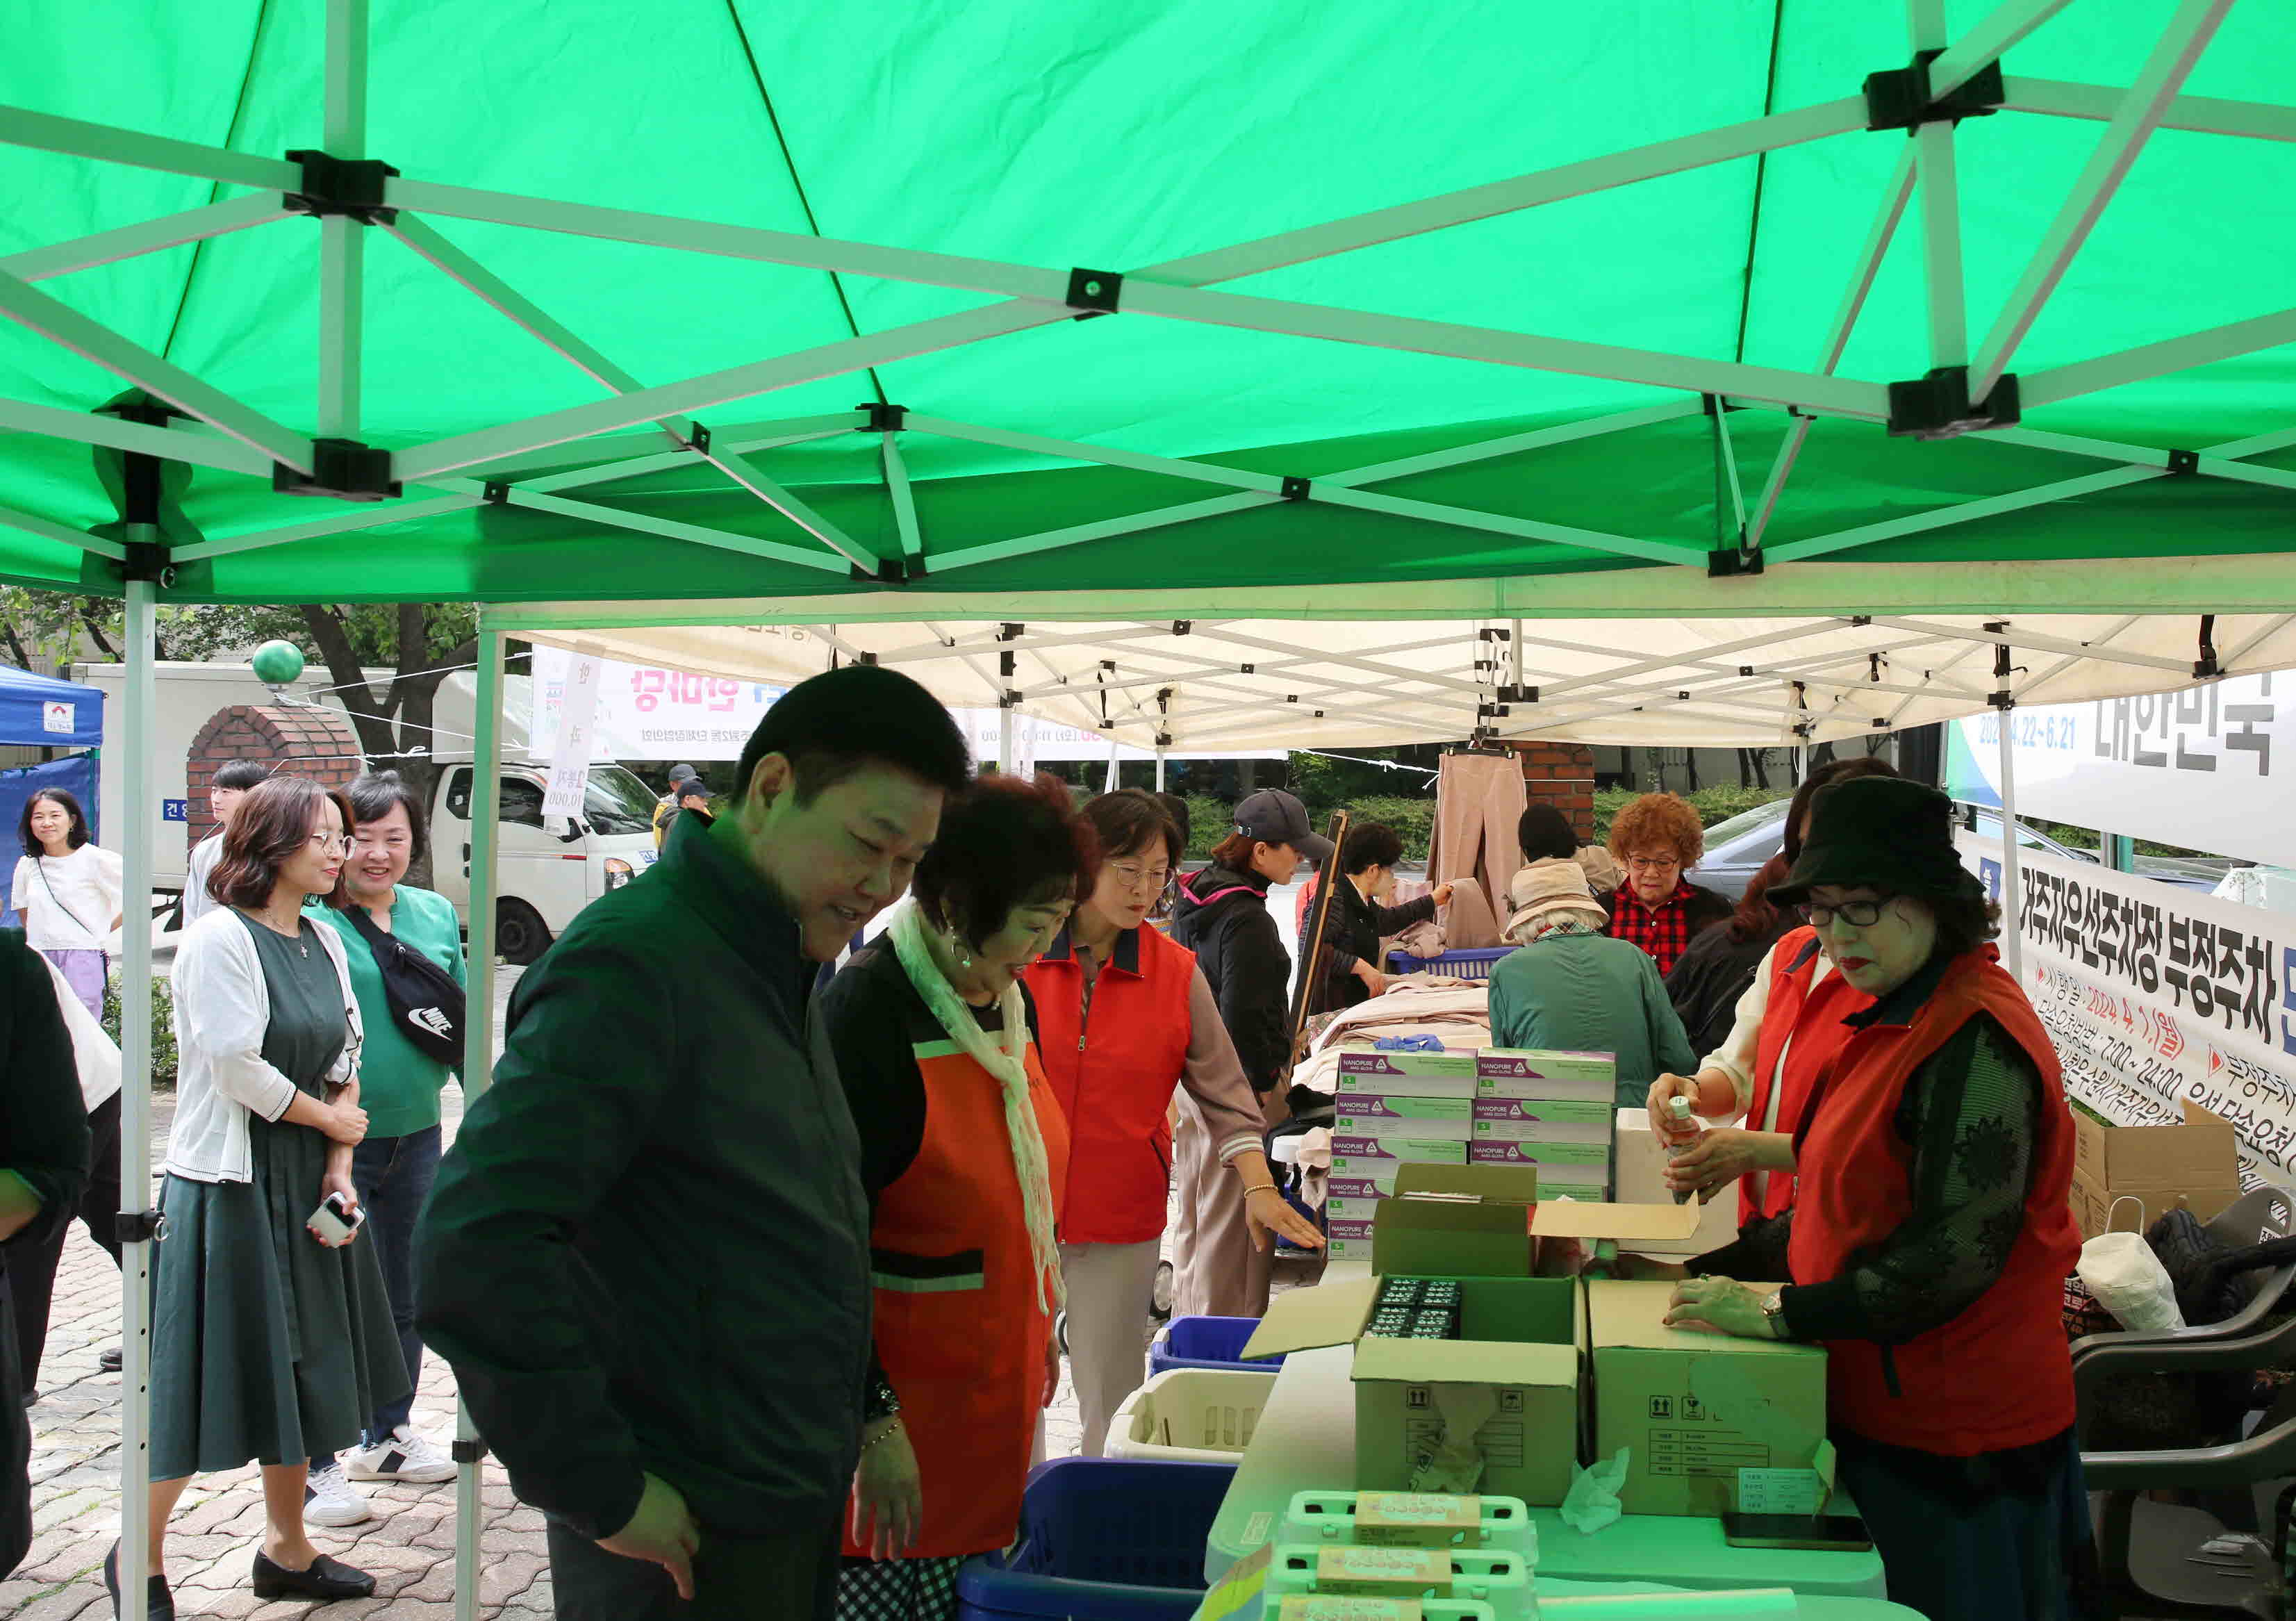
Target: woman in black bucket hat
{"points": [[1928, 1246]]}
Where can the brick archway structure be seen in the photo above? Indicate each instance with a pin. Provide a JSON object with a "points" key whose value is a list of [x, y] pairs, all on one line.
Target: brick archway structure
{"points": [[315, 743]]}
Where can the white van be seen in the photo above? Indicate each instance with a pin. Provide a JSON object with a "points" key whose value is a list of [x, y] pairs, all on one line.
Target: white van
{"points": [[550, 867]]}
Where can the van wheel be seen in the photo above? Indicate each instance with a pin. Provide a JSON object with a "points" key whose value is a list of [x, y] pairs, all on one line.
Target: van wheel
{"points": [[519, 934]]}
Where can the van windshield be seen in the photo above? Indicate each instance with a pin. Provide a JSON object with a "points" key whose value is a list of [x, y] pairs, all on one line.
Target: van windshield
{"points": [[616, 802]]}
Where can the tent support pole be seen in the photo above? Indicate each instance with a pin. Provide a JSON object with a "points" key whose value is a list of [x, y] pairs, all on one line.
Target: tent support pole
{"points": [[1114, 749], [1159, 771], [342, 238], [2012, 871], [1941, 204], [1004, 740], [137, 792], [479, 1055]]}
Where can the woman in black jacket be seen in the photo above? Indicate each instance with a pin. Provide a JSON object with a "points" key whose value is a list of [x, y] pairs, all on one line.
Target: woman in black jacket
{"points": [[1359, 922], [1721, 965]]}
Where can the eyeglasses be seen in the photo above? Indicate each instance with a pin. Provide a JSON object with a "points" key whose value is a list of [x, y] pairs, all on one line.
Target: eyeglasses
{"points": [[1652, 864], [1857, 914], [1135, 877], [330, 843]]}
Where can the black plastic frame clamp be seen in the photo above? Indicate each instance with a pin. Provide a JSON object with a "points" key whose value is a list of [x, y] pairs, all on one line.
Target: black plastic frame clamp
{"points": [[2183, 464], [1937, 405], [334, 187], [1899, 98], [2206, 668], [343, 468], [138, 1226], [1094, 293], [1733, 560], [467, 1452], [893, 571], [697, 438], [1510, 693], [884, 418], [1295, 489]]}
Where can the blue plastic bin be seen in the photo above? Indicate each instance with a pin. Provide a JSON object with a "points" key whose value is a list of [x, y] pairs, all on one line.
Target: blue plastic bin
{"points": [[1101, 1539], [1206, 1342], [1450, 965]]}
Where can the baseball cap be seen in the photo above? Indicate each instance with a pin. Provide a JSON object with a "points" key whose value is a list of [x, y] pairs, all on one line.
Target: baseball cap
{"points": [[1273, 817], [679, 773]]}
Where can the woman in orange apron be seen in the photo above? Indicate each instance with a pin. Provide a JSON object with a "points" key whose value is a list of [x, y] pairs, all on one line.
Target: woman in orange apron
{"points": [[965, 1152]]}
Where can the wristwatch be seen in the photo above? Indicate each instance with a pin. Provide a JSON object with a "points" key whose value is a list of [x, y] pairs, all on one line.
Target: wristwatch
{"points": [[1774, 1313]]}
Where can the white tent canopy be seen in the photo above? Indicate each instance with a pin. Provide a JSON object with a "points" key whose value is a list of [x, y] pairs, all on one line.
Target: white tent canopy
{"points": [[1187, 686]]}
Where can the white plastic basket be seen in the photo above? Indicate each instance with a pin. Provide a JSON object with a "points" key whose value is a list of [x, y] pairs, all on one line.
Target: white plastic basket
{"points": [[1194, 1415]]}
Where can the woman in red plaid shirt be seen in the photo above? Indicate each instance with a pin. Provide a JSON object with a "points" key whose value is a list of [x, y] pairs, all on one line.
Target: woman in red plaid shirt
{"points": [[1656, 839]]}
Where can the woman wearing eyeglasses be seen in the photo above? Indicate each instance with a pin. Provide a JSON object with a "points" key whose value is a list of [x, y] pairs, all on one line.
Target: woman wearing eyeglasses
{"points": [[1128, 1018], [1930, 1242], [1657, 838], [269, 1341]]}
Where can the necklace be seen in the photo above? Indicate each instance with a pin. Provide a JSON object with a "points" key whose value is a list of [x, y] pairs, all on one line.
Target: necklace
{"points": [[296, 934]]}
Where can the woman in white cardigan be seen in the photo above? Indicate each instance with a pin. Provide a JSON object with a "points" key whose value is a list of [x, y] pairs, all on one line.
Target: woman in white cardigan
{"points": [[268, 1342]]}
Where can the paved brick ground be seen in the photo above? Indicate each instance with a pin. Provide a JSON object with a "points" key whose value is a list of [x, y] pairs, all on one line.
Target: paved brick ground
{"points": [[409, 1545]]}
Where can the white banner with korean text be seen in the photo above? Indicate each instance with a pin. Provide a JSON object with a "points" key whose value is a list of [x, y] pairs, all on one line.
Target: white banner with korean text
{"points": [[570, 750], [2154, 994], [2192, 768]]}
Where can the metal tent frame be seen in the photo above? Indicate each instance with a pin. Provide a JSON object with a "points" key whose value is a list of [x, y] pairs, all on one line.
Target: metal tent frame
{"points": [[640, 428]]}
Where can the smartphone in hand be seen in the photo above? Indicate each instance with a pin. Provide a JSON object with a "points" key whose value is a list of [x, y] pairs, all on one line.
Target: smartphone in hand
{"points": [[335, 1220]]}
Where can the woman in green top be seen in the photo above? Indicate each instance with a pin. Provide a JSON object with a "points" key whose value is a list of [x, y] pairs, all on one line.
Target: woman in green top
{"points": [[1573, 988], [400, 1084]]}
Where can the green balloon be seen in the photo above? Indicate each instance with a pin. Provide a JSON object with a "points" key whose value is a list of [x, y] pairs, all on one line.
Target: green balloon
{"points": [[276, 664]]}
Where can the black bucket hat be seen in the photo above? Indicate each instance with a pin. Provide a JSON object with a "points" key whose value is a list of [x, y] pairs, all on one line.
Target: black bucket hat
{"points": [[1884, 832]]}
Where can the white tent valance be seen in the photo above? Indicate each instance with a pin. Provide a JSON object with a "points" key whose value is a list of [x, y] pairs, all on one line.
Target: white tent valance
{"points": [[1185, 686]]}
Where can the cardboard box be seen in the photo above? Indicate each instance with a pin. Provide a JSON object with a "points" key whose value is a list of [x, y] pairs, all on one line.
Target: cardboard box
{"points": [[1382, 1114], [1695, 1407], [1526, 1073], [1351, 1206], [1642, 1181], [1542, 1120], [1518, 1367], [1578, 1168], [1457, 1067], [1362, 1179], [1386, 1152], [2155, 1165]]}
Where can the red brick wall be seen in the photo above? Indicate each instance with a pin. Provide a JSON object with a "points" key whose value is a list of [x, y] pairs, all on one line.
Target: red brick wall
{"points": [[315, 743], [1562, 775]]}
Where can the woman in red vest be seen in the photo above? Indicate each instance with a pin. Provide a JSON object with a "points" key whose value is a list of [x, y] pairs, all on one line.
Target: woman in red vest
{"points": [[1787, 1030], [1930, 1244], [1128, 1019], [965, 1153]]}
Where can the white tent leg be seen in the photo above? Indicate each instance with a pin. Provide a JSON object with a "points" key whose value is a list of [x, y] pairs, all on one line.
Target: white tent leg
{"points": [[2012, 873], [138, 804], [1159, 771], [478, 1057], [1114, 749], [1005, 741]]}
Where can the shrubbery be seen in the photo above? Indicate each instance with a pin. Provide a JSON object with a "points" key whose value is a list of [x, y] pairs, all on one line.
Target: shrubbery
{"points": [[163, 1027]]}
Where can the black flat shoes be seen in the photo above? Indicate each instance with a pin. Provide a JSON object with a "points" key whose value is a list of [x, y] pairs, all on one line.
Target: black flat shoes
{"points": [[326, 1579], [159, 1603]]}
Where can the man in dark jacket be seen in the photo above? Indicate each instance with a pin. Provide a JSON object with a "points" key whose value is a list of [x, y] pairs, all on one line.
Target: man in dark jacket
{"points": [[647, 1256], [1222, 916], [44, 1146]]}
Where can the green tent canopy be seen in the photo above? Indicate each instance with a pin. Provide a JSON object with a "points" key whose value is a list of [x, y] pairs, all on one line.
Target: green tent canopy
{"points": [[1508, 309]]}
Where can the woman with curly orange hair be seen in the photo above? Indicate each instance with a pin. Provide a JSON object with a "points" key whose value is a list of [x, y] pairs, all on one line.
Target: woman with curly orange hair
{"points": [[1657, 838]]}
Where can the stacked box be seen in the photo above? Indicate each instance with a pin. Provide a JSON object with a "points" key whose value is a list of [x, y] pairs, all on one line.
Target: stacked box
{"points": [[1555, 1110]]}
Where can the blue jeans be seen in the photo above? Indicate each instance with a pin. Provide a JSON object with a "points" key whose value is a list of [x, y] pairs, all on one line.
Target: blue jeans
{"points": [[393, 1176]]}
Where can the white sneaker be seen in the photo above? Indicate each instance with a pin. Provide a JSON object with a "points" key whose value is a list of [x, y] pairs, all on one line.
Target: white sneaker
{"points": [[330, 1500], [405, 1456]]}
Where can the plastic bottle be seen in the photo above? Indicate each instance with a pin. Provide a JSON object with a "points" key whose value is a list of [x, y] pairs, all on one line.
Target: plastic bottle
{"points": [[1679, 1121]]}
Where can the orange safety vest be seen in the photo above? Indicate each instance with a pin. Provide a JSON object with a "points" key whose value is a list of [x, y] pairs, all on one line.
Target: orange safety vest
{"points": [[1115, 1063], [1812, 1022], [958, 1327], [1999, 1375]]}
